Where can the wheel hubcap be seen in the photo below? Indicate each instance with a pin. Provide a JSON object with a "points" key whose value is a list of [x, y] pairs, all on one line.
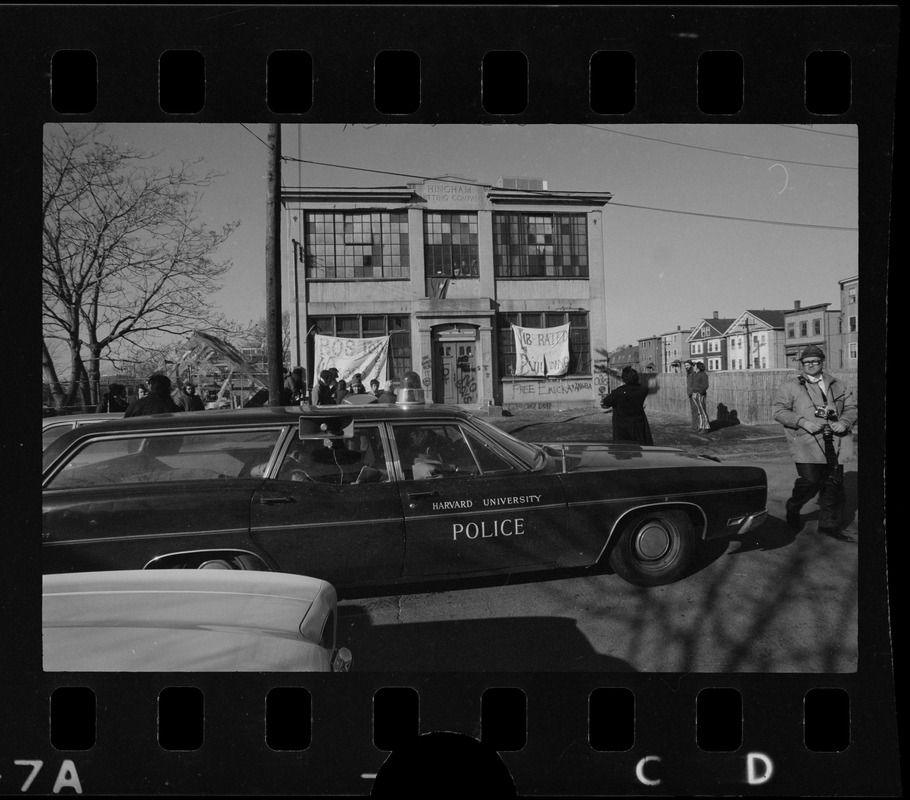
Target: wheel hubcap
{"points": [[653, 541]]}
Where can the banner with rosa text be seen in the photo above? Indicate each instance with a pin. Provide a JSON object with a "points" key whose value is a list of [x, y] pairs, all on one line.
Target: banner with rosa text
{"points": [[369, 357], [541, 352]]}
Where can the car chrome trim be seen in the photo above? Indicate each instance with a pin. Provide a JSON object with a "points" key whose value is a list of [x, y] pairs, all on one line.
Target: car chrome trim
{"points": [[140, 536], [307, 525], [748, 522], [664, 498], [224, 550], [646, 506]]}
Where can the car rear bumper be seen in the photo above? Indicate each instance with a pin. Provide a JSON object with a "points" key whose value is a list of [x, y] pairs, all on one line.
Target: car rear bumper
{"points": [[737, 526]]}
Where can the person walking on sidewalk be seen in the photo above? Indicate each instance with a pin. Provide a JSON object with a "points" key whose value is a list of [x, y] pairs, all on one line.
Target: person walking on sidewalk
{"points": [[630, 424], [818, 412]]}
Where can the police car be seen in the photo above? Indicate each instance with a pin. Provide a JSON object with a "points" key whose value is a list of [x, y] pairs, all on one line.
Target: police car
{"points": [[379, 496]]}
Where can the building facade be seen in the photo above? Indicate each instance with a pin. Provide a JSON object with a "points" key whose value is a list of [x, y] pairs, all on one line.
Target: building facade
{"points": [[812, 325], [650, 354], [756, 340], [674, 349], [707, 342], [847, 350], [445, 268]]}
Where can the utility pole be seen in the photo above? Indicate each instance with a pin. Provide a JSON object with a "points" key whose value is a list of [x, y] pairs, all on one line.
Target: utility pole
{"points": [[273, 267]]}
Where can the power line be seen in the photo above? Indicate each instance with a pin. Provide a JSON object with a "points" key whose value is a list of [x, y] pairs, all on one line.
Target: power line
{"points": [[820, 133], [736, 219], [252, 134], [384, 172], [544, 193], [714, 150]]}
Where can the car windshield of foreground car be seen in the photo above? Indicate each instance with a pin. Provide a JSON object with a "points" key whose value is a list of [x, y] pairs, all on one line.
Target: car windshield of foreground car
{"points": [[174, 456]]}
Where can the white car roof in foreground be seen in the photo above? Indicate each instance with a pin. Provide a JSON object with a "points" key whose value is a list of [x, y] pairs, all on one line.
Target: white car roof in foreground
{"points": [[176, 620]]}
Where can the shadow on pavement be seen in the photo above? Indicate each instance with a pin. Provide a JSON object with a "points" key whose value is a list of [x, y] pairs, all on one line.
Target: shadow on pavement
{"points": [[505, 644]]}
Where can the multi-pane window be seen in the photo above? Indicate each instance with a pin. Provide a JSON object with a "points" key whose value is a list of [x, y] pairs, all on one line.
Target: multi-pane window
{"points": [[579, 338], [851, 324], [365, 327], [540, 245], [803, 329], [791, 330], [353, 245], [816, 327], [450, 244]]}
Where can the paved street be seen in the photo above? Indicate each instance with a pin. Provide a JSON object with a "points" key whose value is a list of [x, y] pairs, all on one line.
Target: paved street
{"points": [[771, 601]]}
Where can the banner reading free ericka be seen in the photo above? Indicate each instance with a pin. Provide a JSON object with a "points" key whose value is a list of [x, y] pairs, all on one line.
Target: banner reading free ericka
{"points": [[541, 352], [366, 356]]}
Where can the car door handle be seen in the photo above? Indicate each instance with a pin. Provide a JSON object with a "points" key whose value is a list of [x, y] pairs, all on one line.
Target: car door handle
{"points": [[274, 499], [416, 495]]}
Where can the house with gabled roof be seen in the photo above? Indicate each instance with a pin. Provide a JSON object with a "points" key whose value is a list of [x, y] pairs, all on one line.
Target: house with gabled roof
{"points": [[707, 342], [756, 339]]}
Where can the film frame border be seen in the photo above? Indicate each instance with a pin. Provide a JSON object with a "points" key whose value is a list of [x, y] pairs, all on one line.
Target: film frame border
{"points": [[451, 41]]}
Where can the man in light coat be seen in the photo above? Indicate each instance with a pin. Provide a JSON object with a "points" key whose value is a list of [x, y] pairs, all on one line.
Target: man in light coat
{"points": [[818, 412]]}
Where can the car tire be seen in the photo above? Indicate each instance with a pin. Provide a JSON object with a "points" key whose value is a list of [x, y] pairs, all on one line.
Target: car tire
{"points": [[654, 548]]}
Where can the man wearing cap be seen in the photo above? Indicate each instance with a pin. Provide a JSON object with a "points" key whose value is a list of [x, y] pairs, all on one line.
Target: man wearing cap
{"points": [[697, 391], [818, 412]]}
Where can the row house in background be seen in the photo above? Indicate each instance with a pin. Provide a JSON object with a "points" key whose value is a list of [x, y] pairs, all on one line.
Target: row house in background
{"points": [[674, 348], [813, 325], [756, 340], [847, 353], [650, 354], [707, 342], [445, 267], [626, 356]]}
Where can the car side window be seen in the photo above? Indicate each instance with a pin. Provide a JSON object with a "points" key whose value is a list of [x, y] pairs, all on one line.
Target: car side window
{"points": [[487, 457], [434, 450], [340, 461], [167, 457]]}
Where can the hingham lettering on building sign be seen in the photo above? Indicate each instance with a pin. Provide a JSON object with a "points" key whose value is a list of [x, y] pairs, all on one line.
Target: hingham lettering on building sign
{"points": [[541, 352]]}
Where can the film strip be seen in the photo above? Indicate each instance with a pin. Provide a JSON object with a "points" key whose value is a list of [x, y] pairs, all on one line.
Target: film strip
{"points": [[527, 729]]}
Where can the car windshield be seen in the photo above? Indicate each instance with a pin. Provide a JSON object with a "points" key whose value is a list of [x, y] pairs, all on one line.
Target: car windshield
{"points": [[532, 455]]}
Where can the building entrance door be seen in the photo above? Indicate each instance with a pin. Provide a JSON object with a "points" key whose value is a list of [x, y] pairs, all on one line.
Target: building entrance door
{"points": [[454, 369]]}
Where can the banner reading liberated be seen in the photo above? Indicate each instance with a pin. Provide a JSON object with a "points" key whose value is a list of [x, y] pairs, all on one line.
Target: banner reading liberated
{"points": [[541, 352], [366, 356]]}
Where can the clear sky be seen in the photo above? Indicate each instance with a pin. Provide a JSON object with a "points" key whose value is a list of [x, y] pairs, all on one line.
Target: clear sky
{"points": [[664, 268]]}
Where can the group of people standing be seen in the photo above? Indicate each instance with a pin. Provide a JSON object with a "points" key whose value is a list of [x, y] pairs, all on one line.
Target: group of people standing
{"points": [[332, 390]]}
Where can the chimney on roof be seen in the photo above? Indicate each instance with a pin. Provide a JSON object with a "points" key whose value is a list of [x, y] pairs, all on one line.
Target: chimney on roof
{"points": [[716, 315], [796, 304]]}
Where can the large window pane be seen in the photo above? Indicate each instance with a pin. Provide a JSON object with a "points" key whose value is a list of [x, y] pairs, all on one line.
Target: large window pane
{"points": [[355, 245], [540, 245]]}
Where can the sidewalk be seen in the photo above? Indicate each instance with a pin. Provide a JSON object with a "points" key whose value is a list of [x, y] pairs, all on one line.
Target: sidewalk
{"points": [[669, 430]]}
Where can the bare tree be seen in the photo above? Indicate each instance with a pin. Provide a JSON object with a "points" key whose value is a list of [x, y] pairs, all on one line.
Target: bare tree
{"points": [[126, 257]]}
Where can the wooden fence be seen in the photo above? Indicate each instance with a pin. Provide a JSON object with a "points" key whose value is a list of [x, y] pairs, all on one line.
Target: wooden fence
{"points": [[746, 395]]}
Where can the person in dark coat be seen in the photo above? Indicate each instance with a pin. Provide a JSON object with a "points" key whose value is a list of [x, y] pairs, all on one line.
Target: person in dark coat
{"points": [[190, 400], [294, 390], [630, 424], [325, 389], [114, 399], [157, 401]]}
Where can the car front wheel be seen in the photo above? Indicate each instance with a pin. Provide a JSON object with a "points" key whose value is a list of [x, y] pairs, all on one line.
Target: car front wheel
{"points": [[654, 548]]}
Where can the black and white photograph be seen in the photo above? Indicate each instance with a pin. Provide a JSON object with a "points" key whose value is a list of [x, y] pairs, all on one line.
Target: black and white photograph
{"points": [[504, 361], [611, 366]]}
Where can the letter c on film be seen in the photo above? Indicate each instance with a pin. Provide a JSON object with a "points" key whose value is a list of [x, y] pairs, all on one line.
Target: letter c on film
{"points": [[640, 771]]}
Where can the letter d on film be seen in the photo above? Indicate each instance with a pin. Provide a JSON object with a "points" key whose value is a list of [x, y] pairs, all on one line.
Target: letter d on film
{"points": [[761, 775]]}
